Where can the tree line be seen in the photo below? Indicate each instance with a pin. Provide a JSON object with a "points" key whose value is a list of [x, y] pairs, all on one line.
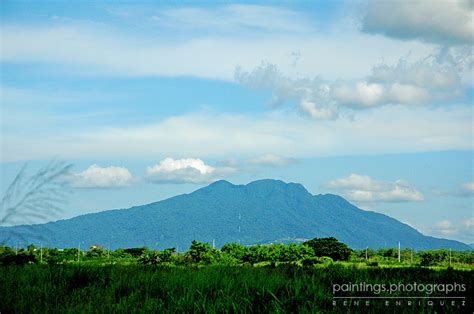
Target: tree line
{"points": [[315, 251]]}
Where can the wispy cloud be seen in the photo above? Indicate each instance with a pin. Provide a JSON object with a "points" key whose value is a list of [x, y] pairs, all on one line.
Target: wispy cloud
{"points": [[220, 135], [362, 188], [235, 18], [270, 160], [96, 48]]}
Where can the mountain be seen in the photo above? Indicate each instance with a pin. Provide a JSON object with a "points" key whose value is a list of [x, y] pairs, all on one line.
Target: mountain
{"points": [[269, 211]]}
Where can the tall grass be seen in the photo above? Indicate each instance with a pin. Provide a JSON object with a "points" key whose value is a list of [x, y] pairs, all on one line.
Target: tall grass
{"points": [[210, 289]]}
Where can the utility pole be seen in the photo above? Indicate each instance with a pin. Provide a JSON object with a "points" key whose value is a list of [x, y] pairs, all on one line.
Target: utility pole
{"points": [[78, 252], [213, 243], [41, 253], [399, 257], [16, 249]]}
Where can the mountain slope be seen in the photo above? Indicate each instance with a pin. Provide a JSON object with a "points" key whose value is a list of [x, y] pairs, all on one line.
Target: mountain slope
{"points": [[270, 210]]}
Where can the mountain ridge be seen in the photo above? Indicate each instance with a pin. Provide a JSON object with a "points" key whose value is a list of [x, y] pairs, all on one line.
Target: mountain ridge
{"points": [[269, 210]]}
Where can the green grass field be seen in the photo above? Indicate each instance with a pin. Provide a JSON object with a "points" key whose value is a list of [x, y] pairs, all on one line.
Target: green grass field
{"points": [[211, 289]]}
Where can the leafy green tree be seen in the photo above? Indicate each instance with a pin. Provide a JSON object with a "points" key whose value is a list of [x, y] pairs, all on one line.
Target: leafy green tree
{"points": [[168, 255], [150, 258], [234, 250], [97, 252], [201, 252], [330, 247], [388, 253], [254, 254], [120, 253], [294, 252], [429, 258]]}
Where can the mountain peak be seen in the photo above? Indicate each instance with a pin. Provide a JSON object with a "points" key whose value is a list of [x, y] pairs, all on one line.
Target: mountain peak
{"points": [[220, 183], [277, 185]]}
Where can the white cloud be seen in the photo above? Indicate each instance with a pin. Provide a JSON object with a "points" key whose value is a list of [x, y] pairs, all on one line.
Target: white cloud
{"points": [[270, 160], [220, 135], [188, 170], [362, 188], [443, 22], [101, 177], [441, 77]]}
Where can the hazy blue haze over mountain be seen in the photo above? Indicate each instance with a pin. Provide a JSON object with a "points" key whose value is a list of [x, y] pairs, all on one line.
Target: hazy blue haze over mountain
{"points": [[270, 211]]}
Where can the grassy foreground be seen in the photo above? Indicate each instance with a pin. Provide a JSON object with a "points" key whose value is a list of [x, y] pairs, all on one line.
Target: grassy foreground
{"points": [[211, 289]]}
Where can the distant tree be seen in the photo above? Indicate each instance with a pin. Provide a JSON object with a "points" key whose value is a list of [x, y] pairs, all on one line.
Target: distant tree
{"points": [[31, 248], [136, 251], [294, 252], [234, 250], [150, 258], [429, 258], [10, 257], [96, 251], [330, 247], [253, 255], [168, 255], [201, 252], [388, 253]]}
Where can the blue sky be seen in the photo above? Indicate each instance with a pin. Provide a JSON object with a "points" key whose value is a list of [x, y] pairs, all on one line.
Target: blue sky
{"points": [[149, 100]]}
